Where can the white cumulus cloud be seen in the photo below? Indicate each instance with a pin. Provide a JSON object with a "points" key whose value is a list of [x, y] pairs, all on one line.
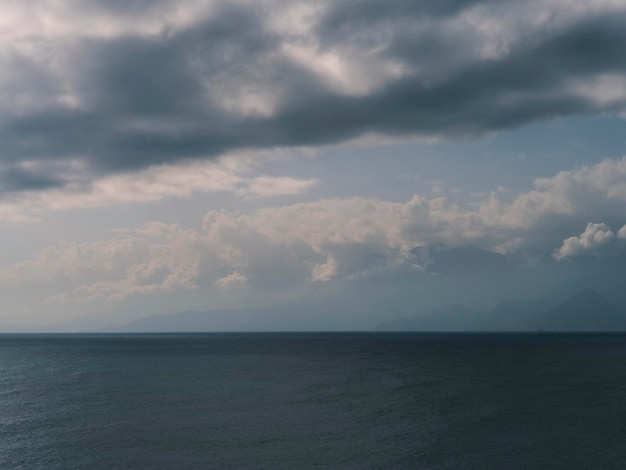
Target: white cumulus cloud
{"points": [[590, 241], [330, 239]]}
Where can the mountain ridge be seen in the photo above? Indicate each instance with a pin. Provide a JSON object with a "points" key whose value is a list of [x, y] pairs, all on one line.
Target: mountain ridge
{"points": [[586, 310]]}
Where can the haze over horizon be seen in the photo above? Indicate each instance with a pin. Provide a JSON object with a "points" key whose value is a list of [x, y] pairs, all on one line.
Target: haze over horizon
{"points": [[363, 160]]}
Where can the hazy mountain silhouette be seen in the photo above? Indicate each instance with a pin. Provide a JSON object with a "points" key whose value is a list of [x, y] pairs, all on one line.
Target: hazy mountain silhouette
{"points": [[518, 314], [585, 311], [183, 322], [445, 318], [293, 316]]}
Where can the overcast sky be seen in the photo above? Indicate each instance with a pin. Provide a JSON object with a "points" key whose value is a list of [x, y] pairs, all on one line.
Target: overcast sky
{"points": [[160, 156]]}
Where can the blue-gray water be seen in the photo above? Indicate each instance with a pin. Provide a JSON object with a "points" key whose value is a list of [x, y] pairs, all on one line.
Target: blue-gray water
{"points": [[313, 401]]}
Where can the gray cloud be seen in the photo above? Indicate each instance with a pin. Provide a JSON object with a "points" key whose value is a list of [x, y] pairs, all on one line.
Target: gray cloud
{"points": [[421, 251], [334, 240], [235, 80], [16, 178]]}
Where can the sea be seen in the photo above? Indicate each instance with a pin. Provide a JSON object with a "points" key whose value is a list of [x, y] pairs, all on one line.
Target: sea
{"points": [[313, 400]]}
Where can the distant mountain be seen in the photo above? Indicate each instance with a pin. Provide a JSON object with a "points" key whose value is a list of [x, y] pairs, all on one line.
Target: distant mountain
{"points": [[286, 317], [585, 311], [445, 318], [187, 322], [517, 314]]}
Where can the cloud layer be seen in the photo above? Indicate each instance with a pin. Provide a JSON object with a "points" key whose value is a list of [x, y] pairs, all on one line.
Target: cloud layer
{"points": [[239, 175], [121, 86], [321, 241]]}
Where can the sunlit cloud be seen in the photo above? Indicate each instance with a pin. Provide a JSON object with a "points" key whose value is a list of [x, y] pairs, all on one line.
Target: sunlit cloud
{"points": [[323, 240]]}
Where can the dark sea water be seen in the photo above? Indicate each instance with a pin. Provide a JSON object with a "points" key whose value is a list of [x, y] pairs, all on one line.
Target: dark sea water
{"points": [[299, 401]]}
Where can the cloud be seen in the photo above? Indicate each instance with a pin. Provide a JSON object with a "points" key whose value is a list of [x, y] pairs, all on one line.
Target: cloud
{"points": [[158, 258], [558, 206], [123, 88], [272, 247], [593, 239], [596, 240], [290, 246], [68, 185]]}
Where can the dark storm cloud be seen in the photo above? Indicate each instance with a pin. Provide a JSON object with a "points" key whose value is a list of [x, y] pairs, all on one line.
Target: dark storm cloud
{"points": [[373, 17], [153, 99], [15, 179]]}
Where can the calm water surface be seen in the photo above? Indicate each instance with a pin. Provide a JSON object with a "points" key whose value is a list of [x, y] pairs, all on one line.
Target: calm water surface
{"points": [[427, 401]]}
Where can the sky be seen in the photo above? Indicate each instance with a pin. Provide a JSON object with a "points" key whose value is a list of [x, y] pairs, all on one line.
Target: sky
{"points": [[353, 156]]}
